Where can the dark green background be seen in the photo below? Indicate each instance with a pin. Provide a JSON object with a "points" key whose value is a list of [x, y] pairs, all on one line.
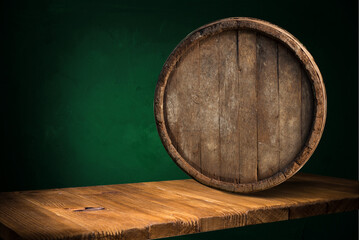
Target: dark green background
{"points": [[77, 88]]}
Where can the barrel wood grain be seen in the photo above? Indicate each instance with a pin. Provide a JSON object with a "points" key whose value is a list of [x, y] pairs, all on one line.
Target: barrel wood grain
{"points": [[268, 107], [153, 210], [247, 61], [229, 104], [240, 105], [209, 108], [289, 106], [307, 107], [189, 129]]}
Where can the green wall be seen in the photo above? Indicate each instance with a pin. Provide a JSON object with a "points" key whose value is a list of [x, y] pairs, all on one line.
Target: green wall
{"points": [[77, 88]]}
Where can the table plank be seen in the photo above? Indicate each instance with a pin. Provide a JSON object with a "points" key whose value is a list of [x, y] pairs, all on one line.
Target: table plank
{"points": [[153, 210]]}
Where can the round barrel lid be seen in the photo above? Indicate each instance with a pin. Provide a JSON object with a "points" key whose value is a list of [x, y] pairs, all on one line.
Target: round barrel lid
{"points": [[240, 105]]}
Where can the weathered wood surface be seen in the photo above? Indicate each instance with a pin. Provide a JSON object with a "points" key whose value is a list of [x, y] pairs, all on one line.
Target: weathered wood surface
{"points": [[240, 105], [162, 209]]}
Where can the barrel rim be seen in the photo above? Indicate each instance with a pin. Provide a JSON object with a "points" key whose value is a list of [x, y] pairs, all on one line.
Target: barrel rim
{"points": [[307, 61]]}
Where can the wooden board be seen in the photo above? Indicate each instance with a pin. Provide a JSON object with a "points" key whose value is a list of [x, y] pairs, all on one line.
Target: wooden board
{"points": [[240, 105], [163, 209]]}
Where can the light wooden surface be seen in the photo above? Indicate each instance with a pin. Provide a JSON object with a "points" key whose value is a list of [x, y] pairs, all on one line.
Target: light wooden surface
{"points": [[163, 209], [240, 105]]}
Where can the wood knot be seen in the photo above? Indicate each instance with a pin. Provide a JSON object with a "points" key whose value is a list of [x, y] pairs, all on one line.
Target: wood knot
{"points": [[87, 209]]}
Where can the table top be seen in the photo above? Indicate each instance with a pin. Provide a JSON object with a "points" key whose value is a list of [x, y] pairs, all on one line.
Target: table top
{"points": [[152, 210]]}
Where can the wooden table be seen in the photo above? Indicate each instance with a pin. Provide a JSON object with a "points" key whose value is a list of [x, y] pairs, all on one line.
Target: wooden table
{"points": [[163, 209]]}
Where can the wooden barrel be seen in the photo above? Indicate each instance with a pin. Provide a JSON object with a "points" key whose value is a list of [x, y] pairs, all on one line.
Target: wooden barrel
{"points": [[240, 105]]}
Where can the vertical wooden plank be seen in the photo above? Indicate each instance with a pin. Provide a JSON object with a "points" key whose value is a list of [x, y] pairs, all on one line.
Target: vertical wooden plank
{"points": [[171, 108], [268, 110], [289, 105], [228, 97], [188, 94], [247, 106], [209, 110], [307, 107]]}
